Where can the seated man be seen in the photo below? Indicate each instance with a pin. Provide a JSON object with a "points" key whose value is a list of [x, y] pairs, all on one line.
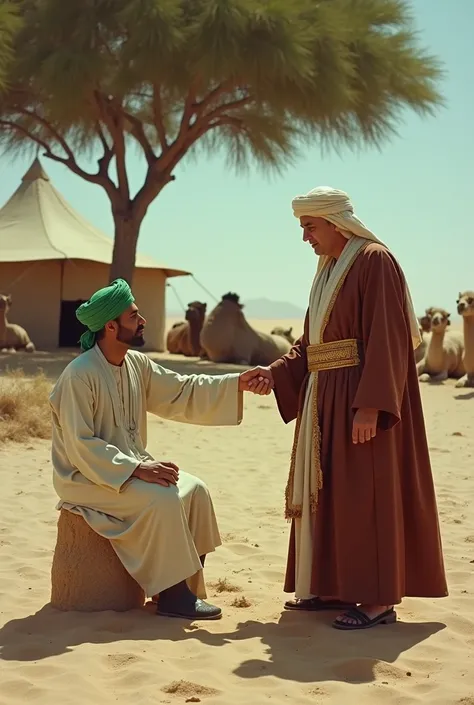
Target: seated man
{"points": [[160, 522]]}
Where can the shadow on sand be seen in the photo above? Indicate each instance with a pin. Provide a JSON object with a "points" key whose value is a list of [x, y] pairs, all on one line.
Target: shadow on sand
{"points": [[302, 648], [464, 397]]}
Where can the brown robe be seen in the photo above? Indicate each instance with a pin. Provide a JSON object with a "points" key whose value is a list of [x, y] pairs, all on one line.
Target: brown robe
{"points": [[375, 534]]}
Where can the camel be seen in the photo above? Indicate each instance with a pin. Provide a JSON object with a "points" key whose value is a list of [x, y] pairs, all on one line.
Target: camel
{"points": [[444, 353], [425, 321], [228, 337], [183, 338], [465, 304], [12, 336], [288, 334]]}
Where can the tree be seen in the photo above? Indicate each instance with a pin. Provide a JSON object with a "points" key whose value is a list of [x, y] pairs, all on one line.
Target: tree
{"points": [[9, 25], [258, 77]]}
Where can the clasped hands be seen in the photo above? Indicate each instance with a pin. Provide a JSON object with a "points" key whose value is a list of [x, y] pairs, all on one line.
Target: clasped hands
{"points": [[258, 380]]}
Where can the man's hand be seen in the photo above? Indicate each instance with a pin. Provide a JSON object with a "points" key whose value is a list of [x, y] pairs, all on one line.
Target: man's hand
{"points": [[164, 473], [258, 380], [364, 426]]}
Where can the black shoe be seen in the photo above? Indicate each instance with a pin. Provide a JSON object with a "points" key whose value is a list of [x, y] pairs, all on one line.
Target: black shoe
{"points": [[197, 610]]}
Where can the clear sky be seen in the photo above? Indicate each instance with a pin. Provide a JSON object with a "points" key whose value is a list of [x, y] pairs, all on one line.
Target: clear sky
{"points": [[237, 232]]}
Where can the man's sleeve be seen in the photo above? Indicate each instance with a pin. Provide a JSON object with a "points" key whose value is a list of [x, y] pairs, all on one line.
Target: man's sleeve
{"points": [[204, 400], [289, 373]]}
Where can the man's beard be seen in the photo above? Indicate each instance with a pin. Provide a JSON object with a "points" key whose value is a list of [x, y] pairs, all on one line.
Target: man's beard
{"points": [[134, 340]]}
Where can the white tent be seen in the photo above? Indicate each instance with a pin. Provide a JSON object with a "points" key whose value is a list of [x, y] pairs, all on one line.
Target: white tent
{"points": [[52, 259]]}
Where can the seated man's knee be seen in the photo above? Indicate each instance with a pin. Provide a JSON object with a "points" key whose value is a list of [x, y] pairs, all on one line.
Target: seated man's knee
{"points": [[201, 490], [151, 494]]}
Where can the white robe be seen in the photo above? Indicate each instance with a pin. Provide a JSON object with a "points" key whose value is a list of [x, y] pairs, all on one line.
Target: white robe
{"points": [[99, 438]]}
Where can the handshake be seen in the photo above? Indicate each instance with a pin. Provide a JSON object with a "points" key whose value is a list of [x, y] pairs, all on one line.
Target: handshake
{"points": [[258, 380]]}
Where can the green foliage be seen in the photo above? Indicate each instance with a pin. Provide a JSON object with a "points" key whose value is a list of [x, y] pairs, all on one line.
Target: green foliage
{"points": [[9, 25], [259, 79], [259, 74]]}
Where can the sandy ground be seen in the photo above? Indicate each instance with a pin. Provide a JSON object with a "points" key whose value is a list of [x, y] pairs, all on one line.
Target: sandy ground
{"points": [[255, 654]]}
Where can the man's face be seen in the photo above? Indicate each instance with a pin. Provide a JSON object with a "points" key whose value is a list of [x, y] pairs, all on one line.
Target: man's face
{"points": [[320, 234], [130, 327]]}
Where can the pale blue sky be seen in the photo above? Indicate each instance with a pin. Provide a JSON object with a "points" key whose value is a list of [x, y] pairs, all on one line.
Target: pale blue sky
{"points": [[237, 232]]}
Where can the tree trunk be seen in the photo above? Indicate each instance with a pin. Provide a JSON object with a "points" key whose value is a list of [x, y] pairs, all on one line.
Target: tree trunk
{"points": [[127, 228]]}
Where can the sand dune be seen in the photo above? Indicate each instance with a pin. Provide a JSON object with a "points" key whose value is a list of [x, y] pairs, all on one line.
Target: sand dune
{"points": [[256, 653]]}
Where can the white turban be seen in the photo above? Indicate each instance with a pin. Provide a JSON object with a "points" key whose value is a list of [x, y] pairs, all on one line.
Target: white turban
{"points": [[335, 206]]}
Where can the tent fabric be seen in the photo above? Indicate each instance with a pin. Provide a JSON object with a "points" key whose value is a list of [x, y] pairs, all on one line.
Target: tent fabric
{"points": [[37, 223]]}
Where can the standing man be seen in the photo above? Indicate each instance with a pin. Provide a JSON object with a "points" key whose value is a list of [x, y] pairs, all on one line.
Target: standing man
{"points": [[160, 521], [360, 491]]}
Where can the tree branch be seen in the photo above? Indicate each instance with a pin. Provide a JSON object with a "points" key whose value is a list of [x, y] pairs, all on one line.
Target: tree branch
{"points": [[219, 90], [106, 158], [27, 133], [189, 108], [160, 173], [101, 178], [57, 136], [114, 124], [153, 184], [225, 107], [139, 134], [185, 139], [158, 117], [120, 154]]}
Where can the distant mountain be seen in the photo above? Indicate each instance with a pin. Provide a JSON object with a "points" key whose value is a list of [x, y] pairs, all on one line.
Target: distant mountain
{"points": [[266, 309], [262, 308]]}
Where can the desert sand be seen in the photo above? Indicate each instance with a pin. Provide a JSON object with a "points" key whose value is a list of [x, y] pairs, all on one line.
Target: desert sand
{"points": [[257, 653]]}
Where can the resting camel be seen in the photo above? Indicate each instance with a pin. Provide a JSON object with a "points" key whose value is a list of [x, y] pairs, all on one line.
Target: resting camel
{"points": [[227, 337], [420, 351], [425, 321], [183, 338], [444, 353], [12, 336], [288, 334], [465, 304]]}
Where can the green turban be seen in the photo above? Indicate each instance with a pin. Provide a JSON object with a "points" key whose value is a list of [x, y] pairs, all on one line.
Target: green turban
{"points": [[105, 305]]}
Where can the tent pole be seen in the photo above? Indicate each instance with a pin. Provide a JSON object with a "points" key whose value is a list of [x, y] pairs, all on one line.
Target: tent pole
{"points": [[61, 282]]}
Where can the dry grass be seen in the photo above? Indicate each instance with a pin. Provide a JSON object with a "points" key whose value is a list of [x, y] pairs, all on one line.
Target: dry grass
{"points": [[24, 407], [241, 602], [223, 585]]}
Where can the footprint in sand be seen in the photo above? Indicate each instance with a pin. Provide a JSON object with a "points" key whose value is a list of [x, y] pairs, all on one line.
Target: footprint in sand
{"points": [[241, 549]]}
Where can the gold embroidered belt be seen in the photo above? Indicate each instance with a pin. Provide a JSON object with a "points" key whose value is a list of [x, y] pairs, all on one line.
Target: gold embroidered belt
{"points": [[333, 356]]}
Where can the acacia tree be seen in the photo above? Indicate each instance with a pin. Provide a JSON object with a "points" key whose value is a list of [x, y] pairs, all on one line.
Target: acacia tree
{"points": [[257, 77]]}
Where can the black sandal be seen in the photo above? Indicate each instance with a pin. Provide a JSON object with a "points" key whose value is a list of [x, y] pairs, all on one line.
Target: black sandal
{"points": [[362, 621], [315, 604]]}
